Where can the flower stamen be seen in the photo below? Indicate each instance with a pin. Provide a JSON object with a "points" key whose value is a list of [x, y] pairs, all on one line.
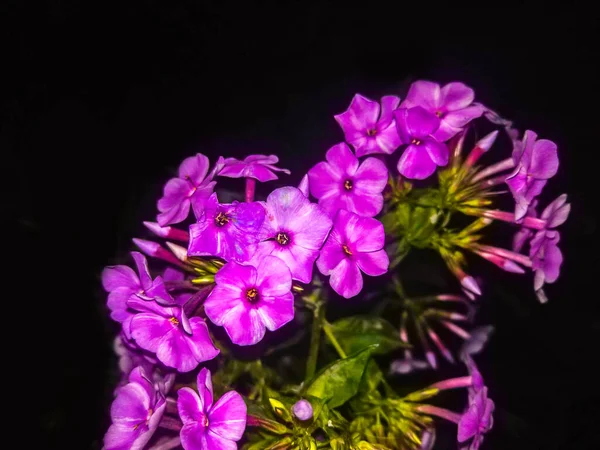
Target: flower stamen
{"points": [[283, 238], [221, 220], [348, 185], [252, 295]]}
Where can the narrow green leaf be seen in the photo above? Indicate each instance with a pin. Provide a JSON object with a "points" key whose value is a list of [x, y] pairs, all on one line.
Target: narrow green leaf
{"points": [[338, 382], [358, 332]]}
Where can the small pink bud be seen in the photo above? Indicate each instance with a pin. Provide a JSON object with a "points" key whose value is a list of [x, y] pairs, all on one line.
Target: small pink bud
{"points": [[482, 146], [302, 410], [167, 232], [469, 283], [154, 250], [179, 251]]}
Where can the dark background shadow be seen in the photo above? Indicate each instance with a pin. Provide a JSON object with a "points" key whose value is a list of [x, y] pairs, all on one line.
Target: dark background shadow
{"points": [[106, 99]]}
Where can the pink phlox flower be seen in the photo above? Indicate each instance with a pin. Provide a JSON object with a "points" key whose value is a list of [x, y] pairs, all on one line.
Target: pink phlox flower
{"points": [[355, 244], [452, 104], [178, 341], [535, 162], [260, 167], [135, 413], [230, 231], [294, 230], [476, 421], [424, 153], [249, 299], [208, 425], [342, 183], [369, 127], [191, 188], [122, 284]]}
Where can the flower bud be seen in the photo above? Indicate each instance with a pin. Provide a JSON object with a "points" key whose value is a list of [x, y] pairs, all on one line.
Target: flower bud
{"points": [[302, 410]]}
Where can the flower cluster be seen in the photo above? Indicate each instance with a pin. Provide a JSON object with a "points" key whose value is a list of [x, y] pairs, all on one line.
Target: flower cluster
{"points": [[225, 273]]}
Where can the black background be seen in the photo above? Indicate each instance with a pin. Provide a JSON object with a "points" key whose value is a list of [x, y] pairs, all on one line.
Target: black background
{"points": [[105, 99]]}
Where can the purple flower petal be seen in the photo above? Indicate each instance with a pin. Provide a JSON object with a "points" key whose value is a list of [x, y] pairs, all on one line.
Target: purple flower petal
{"points": [[373, 263], [228, 416], [389, 103], [324, 179], [205, 387], [149, 329], [415, 163], [244, 326], [214, 441], [437, 151], [423, 93], [363, 233], [117, 303], [361, 115], [415, 123], [544, 159], [275, 312], [131, 405], [346, 279], [341, 156], [331, 254], [303, 186], [457, 95], [194, 168], [557, 212], [371, 177], [189, 405], [114, 277], [274, 277], [231, 274], [193, 437], [300, 261], [200, 344]]}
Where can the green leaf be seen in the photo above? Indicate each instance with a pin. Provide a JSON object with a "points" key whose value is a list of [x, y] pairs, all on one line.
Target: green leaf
{"points": [[358, 332], [338, 382], [371, 378]]}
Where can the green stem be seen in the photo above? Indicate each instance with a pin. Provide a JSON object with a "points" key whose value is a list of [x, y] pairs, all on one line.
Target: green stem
{"points": [[333, 340], [315, 340]]}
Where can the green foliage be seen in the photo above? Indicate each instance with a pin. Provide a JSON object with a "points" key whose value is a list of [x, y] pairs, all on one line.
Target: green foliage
{"points": [[339, 381], [356, 333]]}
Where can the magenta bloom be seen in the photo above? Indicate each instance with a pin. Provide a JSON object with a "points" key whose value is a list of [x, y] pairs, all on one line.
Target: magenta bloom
{"points": [[227, 230], [178, 342], [122, 283], [354, 244], [424, 153], [477, 420], [546, 257], [555, 214], [191, 188], [135, 413], [366, 129], [453, 104], [535, 162], [260, 167], [294, 230], [340, 183], [248, 299], [208, 426]]}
